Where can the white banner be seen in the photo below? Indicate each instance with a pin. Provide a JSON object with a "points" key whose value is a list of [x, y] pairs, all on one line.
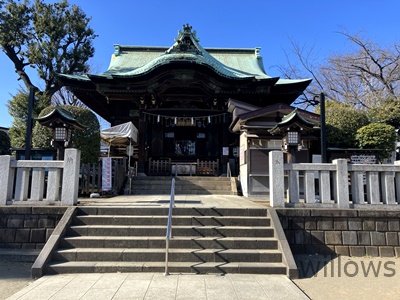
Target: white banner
{"points": [[106, 180]]}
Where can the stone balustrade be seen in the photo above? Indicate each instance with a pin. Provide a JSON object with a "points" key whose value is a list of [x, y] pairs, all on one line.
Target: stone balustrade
{"points": [[33, 182], [337, 185]]}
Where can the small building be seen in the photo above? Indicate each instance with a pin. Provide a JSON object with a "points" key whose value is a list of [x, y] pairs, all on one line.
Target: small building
{"points": [[178, 98], [257, 139]]}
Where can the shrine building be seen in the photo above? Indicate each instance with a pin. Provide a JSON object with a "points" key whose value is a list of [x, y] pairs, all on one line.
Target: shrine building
{"points": [[192, 105]]}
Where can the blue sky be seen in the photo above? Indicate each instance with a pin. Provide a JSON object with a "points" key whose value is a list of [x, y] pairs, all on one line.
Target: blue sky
{"points": [[233, 23]]}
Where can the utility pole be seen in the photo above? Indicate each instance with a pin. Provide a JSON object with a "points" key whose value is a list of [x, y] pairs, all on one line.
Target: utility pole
{"points": [[28, 140], [323, 128]]}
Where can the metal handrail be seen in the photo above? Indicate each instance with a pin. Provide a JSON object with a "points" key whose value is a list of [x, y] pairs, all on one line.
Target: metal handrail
{"points": [[169, 224], [228, 170]]}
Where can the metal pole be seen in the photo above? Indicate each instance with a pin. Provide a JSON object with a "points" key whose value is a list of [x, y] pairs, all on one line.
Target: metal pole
{"points": [[323, 128], [28, 140]]}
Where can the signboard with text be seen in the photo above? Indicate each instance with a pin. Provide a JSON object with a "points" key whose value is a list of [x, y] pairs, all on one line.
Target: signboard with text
{"points": [[106, 180]]}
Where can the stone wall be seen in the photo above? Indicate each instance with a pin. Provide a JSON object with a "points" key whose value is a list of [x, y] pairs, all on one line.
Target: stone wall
{"points": [[342, 231], [26, 227]]}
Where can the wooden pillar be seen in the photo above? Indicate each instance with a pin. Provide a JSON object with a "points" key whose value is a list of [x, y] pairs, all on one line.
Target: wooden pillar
{"points": [[142, 145], [225, 144]]}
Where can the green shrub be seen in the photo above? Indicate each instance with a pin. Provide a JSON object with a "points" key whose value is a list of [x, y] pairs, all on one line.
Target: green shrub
{"points": [[377, 136]]}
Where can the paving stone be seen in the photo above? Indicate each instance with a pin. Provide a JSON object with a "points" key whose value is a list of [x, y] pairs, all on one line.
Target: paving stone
{"points": [[31, 221], [3, 221], [394, 225], [22, 235], [381, 225], [368, 224], [38, 235], [46, 221], [16, 221], [340, 224], [372, 251], [355, 224], [349, 238], [7, 235], [325, 224], [310, 223], [333, 238], [358, 251], [299, 237], [317, 237], [337, 213], [294, 212], [378, 238], [392, 239], [342, 250], [386, 251], [364, 238], [297, 223]]}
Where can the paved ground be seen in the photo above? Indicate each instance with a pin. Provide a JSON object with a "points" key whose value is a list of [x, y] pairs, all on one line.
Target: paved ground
{"points": [[323, 277], [157, 286], [327, 283]]}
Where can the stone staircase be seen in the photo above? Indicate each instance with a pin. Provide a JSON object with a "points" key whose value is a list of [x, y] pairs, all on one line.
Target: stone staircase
{"points": [[132, 239], [191, 185]]}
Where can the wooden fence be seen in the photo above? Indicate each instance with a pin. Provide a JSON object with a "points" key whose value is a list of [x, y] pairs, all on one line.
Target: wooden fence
{"points": [[202, 167], [91, 174]]}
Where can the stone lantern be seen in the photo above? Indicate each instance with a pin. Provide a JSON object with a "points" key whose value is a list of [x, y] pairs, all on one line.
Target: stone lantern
{"points": [[292, 127], [63, 123]]}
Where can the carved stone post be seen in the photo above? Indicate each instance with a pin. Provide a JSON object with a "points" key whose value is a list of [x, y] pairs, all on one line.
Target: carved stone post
{"points": [[276, 179], [342, 183], [6, 178], [70, 182]]}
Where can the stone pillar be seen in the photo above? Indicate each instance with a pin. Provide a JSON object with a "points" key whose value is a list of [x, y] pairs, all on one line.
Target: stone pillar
{"points": [[342, 183], [22, 184], [70, 182], [276, 179], [37, 189], [6, 178]]}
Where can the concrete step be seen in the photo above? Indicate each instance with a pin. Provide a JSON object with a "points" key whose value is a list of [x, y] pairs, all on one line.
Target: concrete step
{"points": [[178, 211], [157, 230], [175, 255], [173, 267], [183, 185], [177, 220], [179, 179], [177, 242], [155, 191]]}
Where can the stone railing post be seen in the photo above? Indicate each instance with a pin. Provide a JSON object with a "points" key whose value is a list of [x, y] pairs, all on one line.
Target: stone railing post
{"points": [[70, 182], [342, 183], [276, 179], [6, 178]]}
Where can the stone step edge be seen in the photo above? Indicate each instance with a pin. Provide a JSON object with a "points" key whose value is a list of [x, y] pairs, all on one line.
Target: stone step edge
{"points": [[173, 226], [171, 250], [180, 238], [116, 266]]}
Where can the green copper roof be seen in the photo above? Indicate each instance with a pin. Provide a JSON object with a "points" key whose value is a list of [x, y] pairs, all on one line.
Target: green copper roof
{"points": [[232, 63], [290, 119]]}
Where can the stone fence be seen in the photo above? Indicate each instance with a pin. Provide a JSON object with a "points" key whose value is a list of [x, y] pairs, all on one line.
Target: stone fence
{"points": [[33, 182], [336, 185]]}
